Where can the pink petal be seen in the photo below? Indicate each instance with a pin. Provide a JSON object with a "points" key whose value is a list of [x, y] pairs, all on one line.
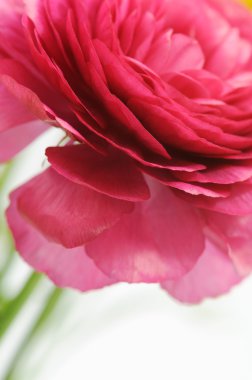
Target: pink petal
{"points": [[177, 53], [113, 175], [239, 202], [212, 275], [18, 127], [167, 178], [12, 5], [12, 111], [68, 213], [220, 174], [66, 267], [237, 232], [231, 54], [25, 97], [184, 130], [15, 139], [161, 239]]}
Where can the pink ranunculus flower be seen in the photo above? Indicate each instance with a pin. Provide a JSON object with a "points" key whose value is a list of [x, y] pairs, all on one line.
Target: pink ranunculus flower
{"points": [[155, 182]]}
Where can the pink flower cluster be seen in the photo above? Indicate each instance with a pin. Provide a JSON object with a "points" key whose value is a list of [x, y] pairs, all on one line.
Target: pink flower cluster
{"points": [[155, 182]]}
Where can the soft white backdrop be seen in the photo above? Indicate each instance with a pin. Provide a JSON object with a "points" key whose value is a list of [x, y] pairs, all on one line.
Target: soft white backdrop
{"points": [[137, 332], [128, 332]]}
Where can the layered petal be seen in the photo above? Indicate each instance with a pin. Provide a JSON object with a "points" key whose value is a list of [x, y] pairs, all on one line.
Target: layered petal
{"points": [[238, 202], [65, 267], [221, 173], [68, 213], [161, 239], [213, 274], [112, 174], [236, 231], [17, 138], [155, 98], [18, 127]]}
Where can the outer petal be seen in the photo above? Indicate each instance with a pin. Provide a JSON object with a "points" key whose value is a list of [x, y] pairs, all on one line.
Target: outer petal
{"points": [[237, 232], [17, 126], [66, 267], [25, 96], [68, 213], [15, 139], [114, 174], [161, 239], [221, 174], [12, 112], [239, 202], [11, 5], [213, 275]]}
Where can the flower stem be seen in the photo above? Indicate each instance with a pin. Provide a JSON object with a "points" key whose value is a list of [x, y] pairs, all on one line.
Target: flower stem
{"points": [[10, 254], [43, 317], [46, 312], [13, 308], [5, 173], [4, 231]]}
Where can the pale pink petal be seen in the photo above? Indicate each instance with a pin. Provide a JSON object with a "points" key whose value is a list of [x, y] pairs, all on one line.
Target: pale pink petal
{"points": [[161, 239], [12, 111], [15, 139], [214, 274], [18, 127], [185, 53], [12, 5], [236, 231], [26, 97], [232, 53], [66, 267]]}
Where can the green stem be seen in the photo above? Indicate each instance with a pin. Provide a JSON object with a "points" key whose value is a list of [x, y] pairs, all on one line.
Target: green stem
{"points": [[9, 255], [43, 317], [14, 306], [3, 228], [5, 173], [49, 307]]}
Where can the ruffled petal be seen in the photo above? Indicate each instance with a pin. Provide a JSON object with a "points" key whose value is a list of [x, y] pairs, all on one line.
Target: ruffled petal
{"points": [[161, 239], [17, 126], [238, 202], [221, 174], [213, 275], [15, 139], [236, 231], [65, 267], [113, 174], [68, 213]]}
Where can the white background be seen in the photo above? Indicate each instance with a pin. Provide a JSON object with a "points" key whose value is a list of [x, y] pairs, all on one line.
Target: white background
{"points": [[138, 332]]}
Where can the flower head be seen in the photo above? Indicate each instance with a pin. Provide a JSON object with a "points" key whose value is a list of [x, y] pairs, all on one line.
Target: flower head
{"points": [[155, 182]]}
